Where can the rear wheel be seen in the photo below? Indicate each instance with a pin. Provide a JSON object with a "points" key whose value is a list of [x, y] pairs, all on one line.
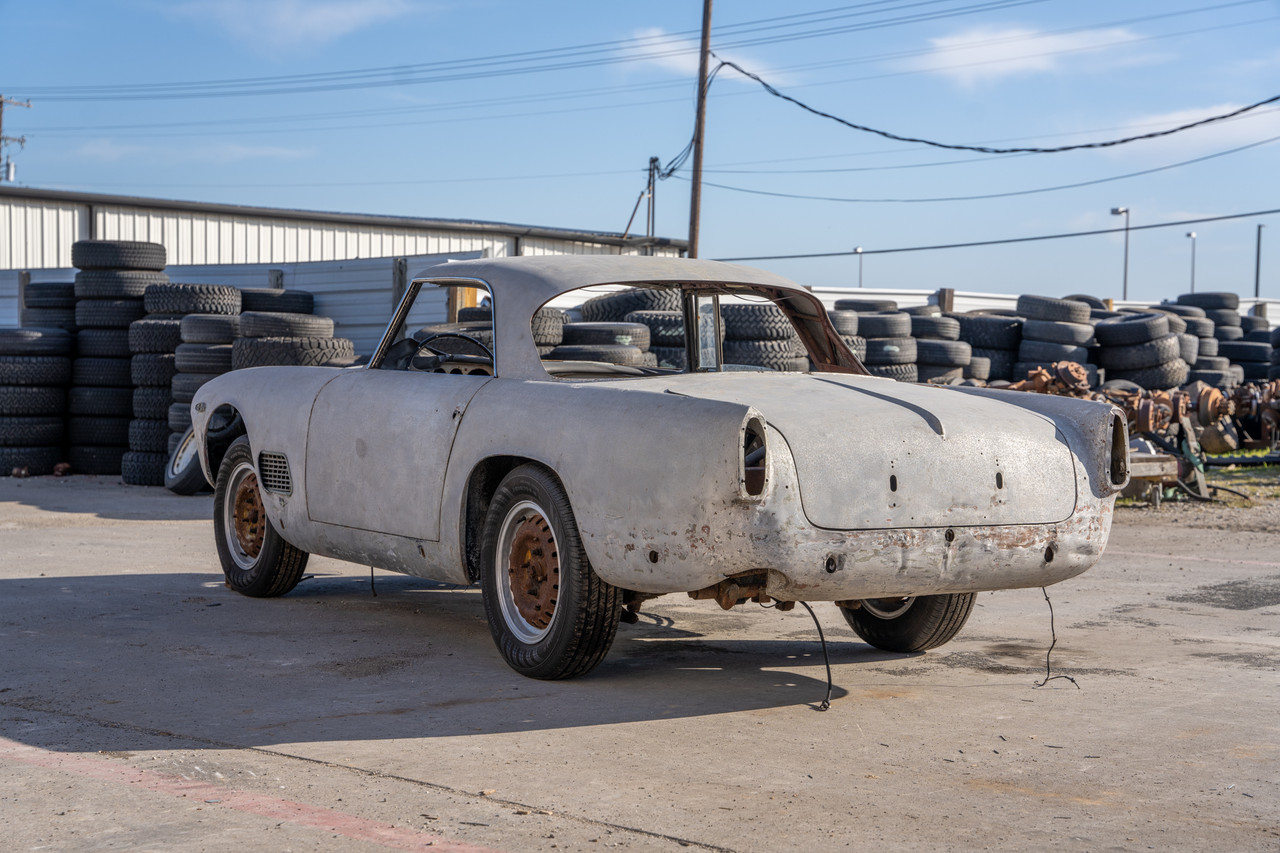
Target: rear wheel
{"points": [[911, 624], [550, 614], [255, 559]]}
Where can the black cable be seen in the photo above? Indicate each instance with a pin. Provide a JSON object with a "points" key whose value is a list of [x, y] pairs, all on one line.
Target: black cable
{"points": [[985, 149], [826, 703], [1054, 634], [1006, 241]]}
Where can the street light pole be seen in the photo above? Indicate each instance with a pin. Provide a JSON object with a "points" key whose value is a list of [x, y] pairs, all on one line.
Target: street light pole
{"points": [[1192, 235], [1257, 267], [1116, 211], [858, 251]]}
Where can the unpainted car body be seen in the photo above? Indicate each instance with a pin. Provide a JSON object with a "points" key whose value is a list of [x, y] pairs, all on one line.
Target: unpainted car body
{"points": [[828, 485]]}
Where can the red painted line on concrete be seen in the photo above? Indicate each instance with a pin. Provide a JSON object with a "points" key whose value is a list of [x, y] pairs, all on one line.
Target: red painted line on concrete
{"points": [[1192, 560], [301, 814]]}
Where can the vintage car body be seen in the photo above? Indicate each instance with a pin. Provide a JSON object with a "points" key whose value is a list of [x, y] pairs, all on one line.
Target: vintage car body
{"points": [[868, 491]]}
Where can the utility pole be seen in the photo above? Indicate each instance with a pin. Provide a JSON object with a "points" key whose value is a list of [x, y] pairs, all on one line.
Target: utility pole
{"points": [[1257, 266], [651, 221], [7, 173], [695, 199]]}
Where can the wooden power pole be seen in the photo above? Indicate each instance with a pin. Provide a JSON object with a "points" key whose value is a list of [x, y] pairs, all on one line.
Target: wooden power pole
{"points": [[695, 198]]}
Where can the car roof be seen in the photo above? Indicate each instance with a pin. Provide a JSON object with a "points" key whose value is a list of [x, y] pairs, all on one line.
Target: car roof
{"points": [[522, 285]]}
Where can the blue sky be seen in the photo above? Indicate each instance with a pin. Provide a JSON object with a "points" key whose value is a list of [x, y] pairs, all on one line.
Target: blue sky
{"points": [[421, 108]]}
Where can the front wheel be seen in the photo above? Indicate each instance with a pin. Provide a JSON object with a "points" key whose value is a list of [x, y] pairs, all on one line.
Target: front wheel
{"points": [[550, 614], [255, 559], [911, 624]]}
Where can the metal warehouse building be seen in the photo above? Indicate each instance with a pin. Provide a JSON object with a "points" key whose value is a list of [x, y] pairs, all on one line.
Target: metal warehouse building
{"points": [[354, 263]]}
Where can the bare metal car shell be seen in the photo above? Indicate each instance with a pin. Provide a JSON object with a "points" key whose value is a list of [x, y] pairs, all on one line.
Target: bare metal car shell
{"points": [[872, 488]]}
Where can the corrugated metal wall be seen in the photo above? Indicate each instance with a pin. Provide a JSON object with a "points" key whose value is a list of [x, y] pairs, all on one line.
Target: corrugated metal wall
{"points": [[38, 235]]}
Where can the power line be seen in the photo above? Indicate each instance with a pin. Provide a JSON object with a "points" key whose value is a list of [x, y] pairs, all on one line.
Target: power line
{"points": [[994, 195], [986, 149], [1005, 241]]}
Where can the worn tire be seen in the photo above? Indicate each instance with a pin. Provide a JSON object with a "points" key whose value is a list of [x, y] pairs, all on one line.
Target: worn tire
{"points": [[844, 322], [182, 472], [529, 516], [1242, 351], [1045, 352], [1228, 333], [277, 301], [1001, 361], [98, 431], [866, 306], [1131, 329], [100, 402], [979, 367], [609, 353], [37, 369], [267, 324], [1059, 332], [184, 385], [139, 468], [117, 255], [1139, 356], [1201, 327], [756, 322], [103, 461], [1048, 308], [1211, 299], [591, 334], [612, 307], [115, 284], [1170, 374], [48, 318], [935, 327], [41, 431], [547, 327], [209, 328], [153, 369], [891, 351], [990, 331], [148, 435], [178, 417], [151, 334], [255, 559], [896, 372], [203, 358], [910, 625], [108, 313], [889, 324], [101, 373], [666, 328], [857, 345], [151, 403], [257, 352], [49, 294], [780, 355], [1212, 362], [38, 461], [938, 374], [180, 299], [942, 353], [1209, 346], [35, 342], [1224, 317], [673, 357], [1189, 348]]}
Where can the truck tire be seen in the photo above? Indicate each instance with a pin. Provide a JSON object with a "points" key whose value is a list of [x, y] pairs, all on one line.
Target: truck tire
{"points": [[913, 624]]}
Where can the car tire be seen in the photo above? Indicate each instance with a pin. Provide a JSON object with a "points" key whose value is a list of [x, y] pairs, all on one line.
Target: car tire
{"points": [[37, 461], [844, 322], [255, 559], [551, 616], [182, 299], [864, 306], [913, 624], [115, 284], [276, 301], [35, 342], [1048, 308], [990, 331], [108, 313], [142, 468], [182, 473], [32, 400], [49, 369], [151, 334], [116, 255], [49, 294], [594, 334], [270, 324], [932, 327], [103, 343]]}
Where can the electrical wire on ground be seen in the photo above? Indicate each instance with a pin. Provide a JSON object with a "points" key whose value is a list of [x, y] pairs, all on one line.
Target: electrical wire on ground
{"points": [[1048, 676]]}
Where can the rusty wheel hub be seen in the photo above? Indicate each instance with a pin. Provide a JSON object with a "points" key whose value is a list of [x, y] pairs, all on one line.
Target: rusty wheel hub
{"points": [[249, 520], [533, 569]]}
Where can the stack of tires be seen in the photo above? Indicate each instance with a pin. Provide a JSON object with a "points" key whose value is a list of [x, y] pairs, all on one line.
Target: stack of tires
{"points": [[889, 350], [1142, 348], [547, 326], [760, 335], [112, 280], [35, 367], [1223, 310], [1055, 330], [611, 342], [1273, 372], [286, 336], [995, 339], [1198, 340], [48, 305], [941, 357]]}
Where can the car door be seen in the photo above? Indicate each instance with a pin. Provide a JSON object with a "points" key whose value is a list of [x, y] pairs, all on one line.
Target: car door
{"points": [[378, 442]]}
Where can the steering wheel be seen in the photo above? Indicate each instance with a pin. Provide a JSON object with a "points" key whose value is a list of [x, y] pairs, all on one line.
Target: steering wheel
{"points": [[439, 357]]}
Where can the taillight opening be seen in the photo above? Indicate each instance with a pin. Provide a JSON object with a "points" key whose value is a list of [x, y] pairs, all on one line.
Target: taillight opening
{"points": [[1119, 450], [754, 458]]}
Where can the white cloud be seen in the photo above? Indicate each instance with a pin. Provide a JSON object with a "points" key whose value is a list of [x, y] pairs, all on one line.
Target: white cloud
{"points": [[665, 51], [985, 54], [292, 24]]}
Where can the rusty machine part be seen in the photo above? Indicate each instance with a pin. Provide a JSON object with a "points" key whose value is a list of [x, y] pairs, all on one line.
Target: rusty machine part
{"points": [[1064, 378], [739, 589], [1257, 415]]}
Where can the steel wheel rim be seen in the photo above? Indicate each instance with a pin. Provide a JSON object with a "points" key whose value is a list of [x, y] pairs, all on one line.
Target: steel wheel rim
{"points": [[888, 608], [183, 454], [527, 572], [244, 519]]}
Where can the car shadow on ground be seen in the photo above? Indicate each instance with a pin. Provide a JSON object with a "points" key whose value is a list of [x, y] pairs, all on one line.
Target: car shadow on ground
{"points": [[181, 654]]}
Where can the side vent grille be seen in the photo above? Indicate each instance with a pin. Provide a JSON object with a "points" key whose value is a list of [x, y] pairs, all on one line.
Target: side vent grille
{"points": [[273, 471]]}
